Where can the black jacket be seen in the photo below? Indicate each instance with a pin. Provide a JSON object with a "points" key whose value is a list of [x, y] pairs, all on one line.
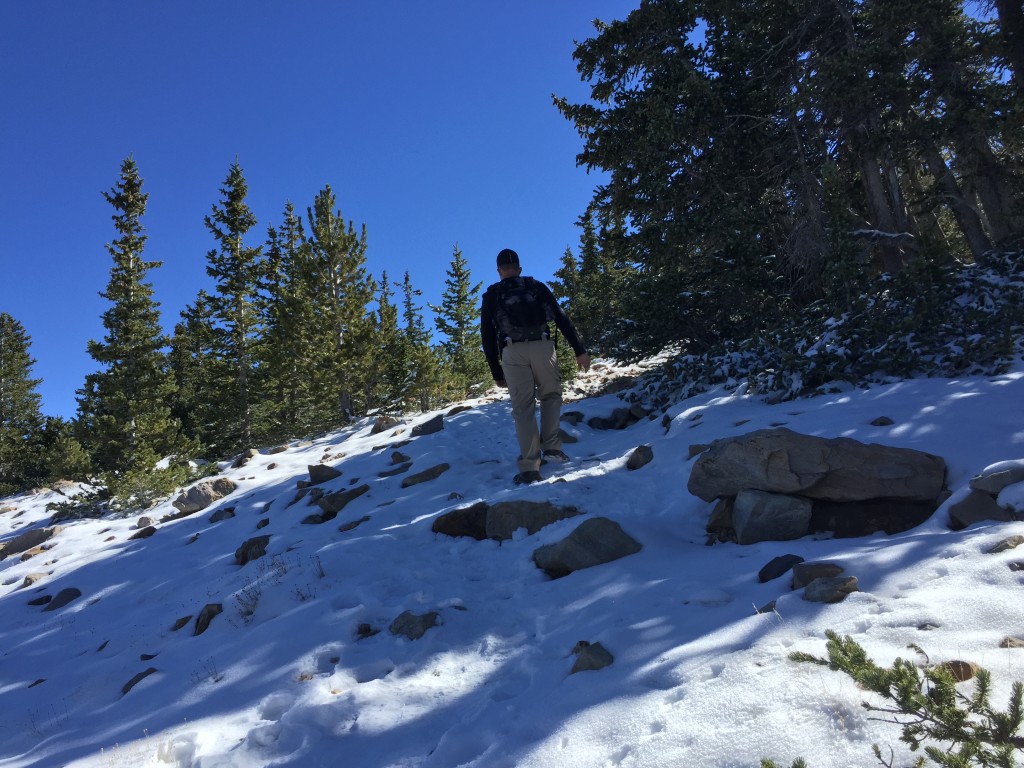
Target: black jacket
{"points": [[489, 335]]}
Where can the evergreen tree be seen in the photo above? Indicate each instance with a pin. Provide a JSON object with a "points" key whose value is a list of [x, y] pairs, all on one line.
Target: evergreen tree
{"points": [[425, 365], [388, 382], [20, 419], [341, 291], [125, 407], [200, 401], [457, 318], [236, 268]]}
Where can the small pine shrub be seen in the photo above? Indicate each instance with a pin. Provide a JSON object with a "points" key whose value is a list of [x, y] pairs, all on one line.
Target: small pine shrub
{"points": [[954, 730]]}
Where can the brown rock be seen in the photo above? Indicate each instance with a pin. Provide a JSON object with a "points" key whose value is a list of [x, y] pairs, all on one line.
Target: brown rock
{"points": [[252, 549], [426, 475], [145, 533], [206, 616], [961, 671], [136, 680], [1010, 542]]}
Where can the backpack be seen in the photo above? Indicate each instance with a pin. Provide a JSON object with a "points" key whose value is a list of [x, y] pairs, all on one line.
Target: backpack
{"points": [[519, 314]]}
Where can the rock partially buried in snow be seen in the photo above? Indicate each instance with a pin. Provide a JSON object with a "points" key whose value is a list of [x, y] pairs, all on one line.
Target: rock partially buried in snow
{"points": [[252, 549], [594, 542], [429, 427], [832, 589], [413, 626], [804, 573], [591, 657], [499, 522], [640, 457], [62, 598], [321, 473], [28, 540], [426, 475], [778, 567], [200, 496], [206, 616]]}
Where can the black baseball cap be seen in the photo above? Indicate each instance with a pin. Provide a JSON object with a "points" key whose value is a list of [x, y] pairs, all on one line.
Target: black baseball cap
{"points": [[508, 258]]}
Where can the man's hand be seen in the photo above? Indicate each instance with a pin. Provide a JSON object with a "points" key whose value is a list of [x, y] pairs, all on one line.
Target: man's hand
{"points": [[500, 383], [583, 362]]}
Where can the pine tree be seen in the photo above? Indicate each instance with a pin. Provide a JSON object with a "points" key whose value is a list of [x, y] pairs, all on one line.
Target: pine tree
{"points": [[423, 358], [341, 291], [125, 407], [20, 419], [236, 268], [389, 381], [200, 401], [457, 319]]}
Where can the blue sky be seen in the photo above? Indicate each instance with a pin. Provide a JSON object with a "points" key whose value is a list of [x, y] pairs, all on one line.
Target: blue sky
{"points": [[431, 121]]}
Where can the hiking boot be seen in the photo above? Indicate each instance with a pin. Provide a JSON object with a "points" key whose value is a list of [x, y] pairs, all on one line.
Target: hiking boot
{"points": [[553, 454], [527, 477]]}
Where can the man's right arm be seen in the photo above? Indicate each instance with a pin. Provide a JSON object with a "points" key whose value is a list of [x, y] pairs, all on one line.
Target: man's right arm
{"points": [[489, 339]]}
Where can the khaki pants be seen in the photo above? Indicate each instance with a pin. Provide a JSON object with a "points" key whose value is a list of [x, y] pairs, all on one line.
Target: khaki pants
{"points": [[531, 372]]}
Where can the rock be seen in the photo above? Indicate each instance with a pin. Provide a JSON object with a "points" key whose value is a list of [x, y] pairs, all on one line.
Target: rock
{"points": [[277, 449], [263, 523], [862, 518], [62, 598], [594, 542], [882, 421], [354, 524], [767, 607], [206, 616], [590, 657], [145, 533], [961, 671], [572, 417], [200, 496], [396, 471], [719, 525], [566, 438], [459, 409], [975, 507], [181, 623], [252, 549], [759, 516], [696, 450], [995, 480], [426, 475], [466, 521], [364, 631], [383, 423], [640, 457], [248, 455], [778, 567], [830, 589], [30, 539], [321, 473], [429, 427], [1010, 542], [31, 579], [782, 461], [413, 626], [1012, 642], [397, 457], [805, 573], [1017, 566], [333, 503], [225, 513], [143, 522], [41, 600], [506, 517], [136, 680]]}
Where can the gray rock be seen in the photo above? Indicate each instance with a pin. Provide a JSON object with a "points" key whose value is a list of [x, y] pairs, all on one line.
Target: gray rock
{"points": [[1010, 542], [594, 542], [333, 503], [506, 517], [1012, 642], [414, 626], [805, 573], [200, 496], [143, 522], [31, 579], [401, 469], [145, 533], [780, 566], [321, 473], [225, 513], [782, 461], [719, 525], [247, 456], [993, 482], [383, 423], [429, 427], [30, 539], [466, 521], [62, 598], [640, 457], [830, 589], [206, 616], [759, 516], [252, 549], [397, 457], [426, 475], [975, 507], [136, 680], [591, 657]]}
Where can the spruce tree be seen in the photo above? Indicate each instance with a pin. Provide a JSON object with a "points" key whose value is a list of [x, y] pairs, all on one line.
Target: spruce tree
{"points": [[423, 358], [20, 419], [389, 381], [457, 318], [341, 292], [125, 407], [236, 268], [201, 398]]}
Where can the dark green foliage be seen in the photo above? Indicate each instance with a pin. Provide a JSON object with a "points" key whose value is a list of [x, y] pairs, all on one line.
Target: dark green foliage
{"points": [[798, 763], [125, 421], [236, 269], [954, 730], [766, 157], [930, 320], [21, 460], [457, 318], [424, 362]]}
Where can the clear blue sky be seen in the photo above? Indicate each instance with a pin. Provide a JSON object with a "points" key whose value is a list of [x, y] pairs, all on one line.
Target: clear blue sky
{"points": [[432, 122]]}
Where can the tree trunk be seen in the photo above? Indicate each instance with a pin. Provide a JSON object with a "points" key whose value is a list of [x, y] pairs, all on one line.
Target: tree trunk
{"points": [[966, 216], [1011, 27]]}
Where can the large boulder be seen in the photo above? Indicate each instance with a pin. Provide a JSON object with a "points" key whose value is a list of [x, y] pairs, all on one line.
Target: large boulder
{"points": [[500, 521], [200, 496], [839, 469], [594, 542], [759, 516], [28, 540]]}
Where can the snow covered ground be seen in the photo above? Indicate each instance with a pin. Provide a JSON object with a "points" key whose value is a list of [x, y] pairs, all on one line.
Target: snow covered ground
{"points": [[699, 678]]}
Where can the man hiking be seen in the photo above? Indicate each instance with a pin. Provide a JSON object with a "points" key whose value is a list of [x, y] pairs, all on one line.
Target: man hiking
{"points": [[514, 317]]}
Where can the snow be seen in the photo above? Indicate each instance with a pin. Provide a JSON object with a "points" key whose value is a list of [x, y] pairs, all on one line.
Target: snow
{"points": [[699, 677]]}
